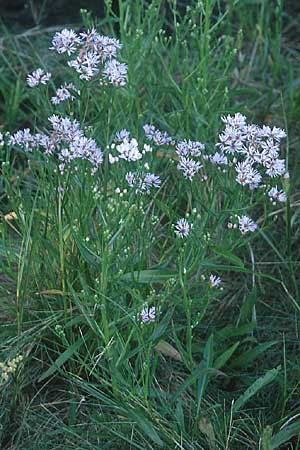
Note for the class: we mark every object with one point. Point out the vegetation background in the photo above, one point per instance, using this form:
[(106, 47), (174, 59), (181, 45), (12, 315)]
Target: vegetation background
[(237, 386)]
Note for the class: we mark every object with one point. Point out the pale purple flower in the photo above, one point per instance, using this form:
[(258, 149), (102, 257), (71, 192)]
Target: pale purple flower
[(275, 133), (24, 138), (231, 140), (142, 182), (189, 148), (276, 195), (214, 281), (157, 136), (189, 167), (38, 76), (238, 120), (64, 93), (246, 224), (122, 135), (65, 41), (182, 228), (275, 167), (218, 159), (86, 64), (148, 315), (115, 72)]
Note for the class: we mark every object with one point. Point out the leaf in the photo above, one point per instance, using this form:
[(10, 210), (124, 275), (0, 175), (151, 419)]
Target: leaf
[(168, 350), (228, 256), (193, 377), (285, 435), (64, 357), (162, 326), (87, 254), (149, 276), (229, 331), (255, 387), (206, 362), (247, 307), (247, 357), (222, 359), (146, 426)]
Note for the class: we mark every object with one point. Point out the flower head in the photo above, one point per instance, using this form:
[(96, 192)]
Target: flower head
[(65, 41), (148, 315), (189, 167), (182, 228), (276, 195), (38, 76), (214, 281), (246, 224)]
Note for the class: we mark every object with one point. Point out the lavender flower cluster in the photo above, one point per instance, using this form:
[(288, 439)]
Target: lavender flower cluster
[(65, 140), (254, 150), (92, 52)]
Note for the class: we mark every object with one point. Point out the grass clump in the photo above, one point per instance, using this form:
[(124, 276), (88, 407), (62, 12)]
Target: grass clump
[(149, 231)]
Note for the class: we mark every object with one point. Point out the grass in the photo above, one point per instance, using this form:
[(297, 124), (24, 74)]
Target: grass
[(219, 369)]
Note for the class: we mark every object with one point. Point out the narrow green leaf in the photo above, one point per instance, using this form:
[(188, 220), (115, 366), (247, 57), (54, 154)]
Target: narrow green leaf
[(285, 435), (255, 387), (149, 276), (247, 357), (62, 359), (222, 359)]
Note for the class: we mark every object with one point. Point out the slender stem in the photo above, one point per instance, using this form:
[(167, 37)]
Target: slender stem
[(61, 253)]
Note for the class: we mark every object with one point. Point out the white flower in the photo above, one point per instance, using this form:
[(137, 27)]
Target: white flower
[(148, 315), (238, 120), (182, 228), (38, 76), (1, 140), (214, 281), (129, 151), (65, 41), (246, 224), (276, 195), (115, 72), (189, 167)]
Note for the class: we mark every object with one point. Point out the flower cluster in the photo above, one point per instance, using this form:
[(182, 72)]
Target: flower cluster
[(142, 182), (66, 141), (9, 368), (158, 137), (255, 151), (38, 76), (65, 93), (94, 53)]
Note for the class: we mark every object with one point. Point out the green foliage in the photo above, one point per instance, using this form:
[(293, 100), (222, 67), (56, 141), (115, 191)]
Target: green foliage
[(217, 369)]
